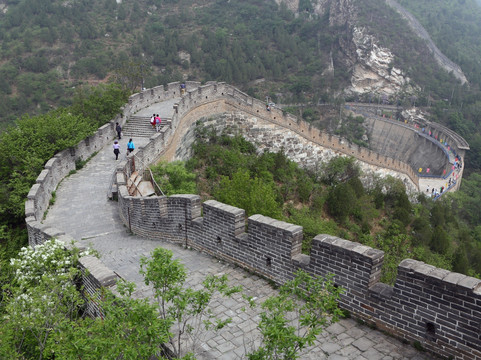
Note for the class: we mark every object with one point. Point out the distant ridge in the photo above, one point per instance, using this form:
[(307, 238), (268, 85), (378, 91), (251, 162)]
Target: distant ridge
[(416, 26)]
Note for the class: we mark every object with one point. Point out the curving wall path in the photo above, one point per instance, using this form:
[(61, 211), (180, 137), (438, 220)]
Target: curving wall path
[(438, 308)]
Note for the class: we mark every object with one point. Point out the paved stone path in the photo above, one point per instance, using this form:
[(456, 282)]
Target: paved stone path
[(83, 211)]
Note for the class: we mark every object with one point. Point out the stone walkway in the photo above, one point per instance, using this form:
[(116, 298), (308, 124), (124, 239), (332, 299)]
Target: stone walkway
[(83, 211)]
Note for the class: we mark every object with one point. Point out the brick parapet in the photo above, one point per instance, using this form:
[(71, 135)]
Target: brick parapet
[(96, 277), (423, 297)]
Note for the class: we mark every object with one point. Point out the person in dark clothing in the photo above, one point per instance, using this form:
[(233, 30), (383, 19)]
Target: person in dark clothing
[(118, 128)]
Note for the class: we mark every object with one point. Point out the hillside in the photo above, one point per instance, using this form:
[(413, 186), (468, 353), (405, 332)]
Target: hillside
[(49, 48)]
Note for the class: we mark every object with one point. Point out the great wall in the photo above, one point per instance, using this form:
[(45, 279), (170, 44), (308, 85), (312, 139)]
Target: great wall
[(435, 307)]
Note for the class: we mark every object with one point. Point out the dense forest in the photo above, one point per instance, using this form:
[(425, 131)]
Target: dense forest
[(50, 48)]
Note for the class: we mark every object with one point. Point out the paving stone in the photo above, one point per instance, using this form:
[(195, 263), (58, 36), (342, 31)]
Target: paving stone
[(372, 354), (225, 347), (230, 355), (212, 343), (356, 332), (240, 352), (227, 335), (336, 357), (330, 348), (363, 344), (349, 351), (336, 328), (344, 339), (360, 357)]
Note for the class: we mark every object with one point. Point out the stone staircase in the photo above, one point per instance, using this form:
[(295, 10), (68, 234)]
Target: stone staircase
[(139, 126)]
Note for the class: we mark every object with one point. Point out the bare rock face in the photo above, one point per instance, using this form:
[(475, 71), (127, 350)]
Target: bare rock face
[(341, 12), (292, 5), (372, 68), (371, 64), (414, 115)]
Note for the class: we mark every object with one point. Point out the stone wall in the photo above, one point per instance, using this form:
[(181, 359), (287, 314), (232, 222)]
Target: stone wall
[(250, 115), (96, 275), (436, 307)]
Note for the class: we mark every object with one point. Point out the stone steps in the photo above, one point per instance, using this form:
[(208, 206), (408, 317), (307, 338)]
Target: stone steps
[(139, 126)]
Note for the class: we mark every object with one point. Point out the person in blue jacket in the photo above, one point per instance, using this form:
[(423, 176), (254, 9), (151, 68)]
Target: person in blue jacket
[(130, 146)]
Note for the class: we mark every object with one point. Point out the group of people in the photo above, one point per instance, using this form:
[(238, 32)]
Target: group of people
[(436, 193), (155, 121), (116, 147)]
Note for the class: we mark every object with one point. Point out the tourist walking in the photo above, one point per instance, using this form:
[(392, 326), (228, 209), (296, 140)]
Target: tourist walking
[(116, 147), (118, 128), (157, 123), (152, 121), (130, 146)]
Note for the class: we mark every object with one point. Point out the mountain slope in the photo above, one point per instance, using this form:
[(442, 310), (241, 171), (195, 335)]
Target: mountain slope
[(293, 51)]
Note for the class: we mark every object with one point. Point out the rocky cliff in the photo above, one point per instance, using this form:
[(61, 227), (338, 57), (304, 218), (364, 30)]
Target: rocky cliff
[(370, 64)]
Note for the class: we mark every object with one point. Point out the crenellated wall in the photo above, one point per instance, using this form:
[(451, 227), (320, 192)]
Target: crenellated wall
[(438, 308)]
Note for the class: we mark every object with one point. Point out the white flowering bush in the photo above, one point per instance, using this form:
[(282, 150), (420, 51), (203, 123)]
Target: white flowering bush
[(48, 258), (43, 296)]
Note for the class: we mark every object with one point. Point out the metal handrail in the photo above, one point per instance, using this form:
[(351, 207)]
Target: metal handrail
[(155, 182)]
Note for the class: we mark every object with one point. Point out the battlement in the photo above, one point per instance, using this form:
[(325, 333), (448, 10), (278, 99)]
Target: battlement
[(436, 307)]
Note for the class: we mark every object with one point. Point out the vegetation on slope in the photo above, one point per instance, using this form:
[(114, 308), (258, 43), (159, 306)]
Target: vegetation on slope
[(49, 47), (30, 144), (455, 27)]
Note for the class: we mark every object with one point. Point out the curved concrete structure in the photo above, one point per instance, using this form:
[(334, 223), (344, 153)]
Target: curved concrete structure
[(429, 148)]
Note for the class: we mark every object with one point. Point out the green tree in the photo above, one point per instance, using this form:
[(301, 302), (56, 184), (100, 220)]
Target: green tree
[(440, 242), (27, 147), (340, 201), (42, 298), (99, 104), (339, 169), (460, 261), (130, 74), (253, 195), (312, 301), (128, 328), (174, 178), (186, 308)]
